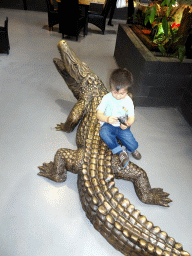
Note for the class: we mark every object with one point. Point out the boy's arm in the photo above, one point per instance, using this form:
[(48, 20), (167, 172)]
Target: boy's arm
[(106, 119), (131, 116), (130, 120)]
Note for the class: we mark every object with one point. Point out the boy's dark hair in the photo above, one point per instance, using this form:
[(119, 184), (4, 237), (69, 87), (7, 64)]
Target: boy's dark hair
[(121, 78)]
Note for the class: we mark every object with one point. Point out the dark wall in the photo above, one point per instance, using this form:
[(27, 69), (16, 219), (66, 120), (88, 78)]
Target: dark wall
[(12, 4), (32, 5), (37, 5), (186, 103)]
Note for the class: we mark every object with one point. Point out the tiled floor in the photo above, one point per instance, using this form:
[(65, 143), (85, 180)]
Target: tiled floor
[(39, 217)]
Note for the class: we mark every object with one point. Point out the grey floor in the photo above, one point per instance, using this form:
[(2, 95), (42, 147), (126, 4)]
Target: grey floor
[(39, 217)]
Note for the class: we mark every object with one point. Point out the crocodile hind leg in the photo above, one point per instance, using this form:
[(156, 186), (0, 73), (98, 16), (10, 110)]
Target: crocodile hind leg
[(141, 183), (64, 160)]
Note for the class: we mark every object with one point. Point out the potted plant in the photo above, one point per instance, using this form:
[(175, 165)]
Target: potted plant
[(166, 33)]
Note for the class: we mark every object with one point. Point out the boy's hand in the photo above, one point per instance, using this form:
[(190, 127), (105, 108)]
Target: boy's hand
[(123, 127), (111, 119), (128, 123)]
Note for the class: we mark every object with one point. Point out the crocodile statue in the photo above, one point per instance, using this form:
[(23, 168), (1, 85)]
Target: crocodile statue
[(110, 213)]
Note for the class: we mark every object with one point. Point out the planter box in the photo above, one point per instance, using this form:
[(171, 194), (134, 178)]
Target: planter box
[(186, 103), (159, 81)]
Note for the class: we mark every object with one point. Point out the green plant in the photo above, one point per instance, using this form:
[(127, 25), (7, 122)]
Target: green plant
[(161, 18)]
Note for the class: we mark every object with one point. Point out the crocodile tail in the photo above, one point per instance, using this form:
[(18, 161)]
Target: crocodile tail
[(114, 216), (111, 214)]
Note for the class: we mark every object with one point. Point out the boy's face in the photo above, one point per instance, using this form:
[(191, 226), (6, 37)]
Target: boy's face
[(120, 95)]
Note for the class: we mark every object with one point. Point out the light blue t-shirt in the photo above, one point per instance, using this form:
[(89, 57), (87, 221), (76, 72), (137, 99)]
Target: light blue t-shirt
[(118, 108)]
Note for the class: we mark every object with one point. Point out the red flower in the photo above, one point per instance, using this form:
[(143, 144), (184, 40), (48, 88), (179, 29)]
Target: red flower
[(175, 25)]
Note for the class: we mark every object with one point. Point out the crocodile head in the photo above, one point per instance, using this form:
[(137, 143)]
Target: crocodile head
[(74, 67)]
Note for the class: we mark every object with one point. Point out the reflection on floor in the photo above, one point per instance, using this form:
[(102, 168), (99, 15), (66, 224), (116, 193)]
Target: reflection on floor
[(39, 217)]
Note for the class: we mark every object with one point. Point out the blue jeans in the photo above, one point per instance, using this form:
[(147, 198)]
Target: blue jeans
[(110, 134)]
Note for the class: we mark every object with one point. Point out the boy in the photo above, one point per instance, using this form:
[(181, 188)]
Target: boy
[(116, 115)]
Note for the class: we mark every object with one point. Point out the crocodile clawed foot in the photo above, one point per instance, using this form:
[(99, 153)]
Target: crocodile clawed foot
[(63, 127), (60, 127), (159, 197), (49, 171)]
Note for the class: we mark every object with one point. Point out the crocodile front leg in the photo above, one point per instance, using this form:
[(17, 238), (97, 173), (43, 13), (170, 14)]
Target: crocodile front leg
[(140, 180), (64, 160), (74, 117)]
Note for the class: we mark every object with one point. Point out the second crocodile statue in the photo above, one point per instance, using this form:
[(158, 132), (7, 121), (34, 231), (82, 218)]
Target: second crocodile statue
[(110, 213)]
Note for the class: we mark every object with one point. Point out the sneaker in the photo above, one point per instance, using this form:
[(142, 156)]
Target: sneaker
[(124, 158), (136, 155)]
